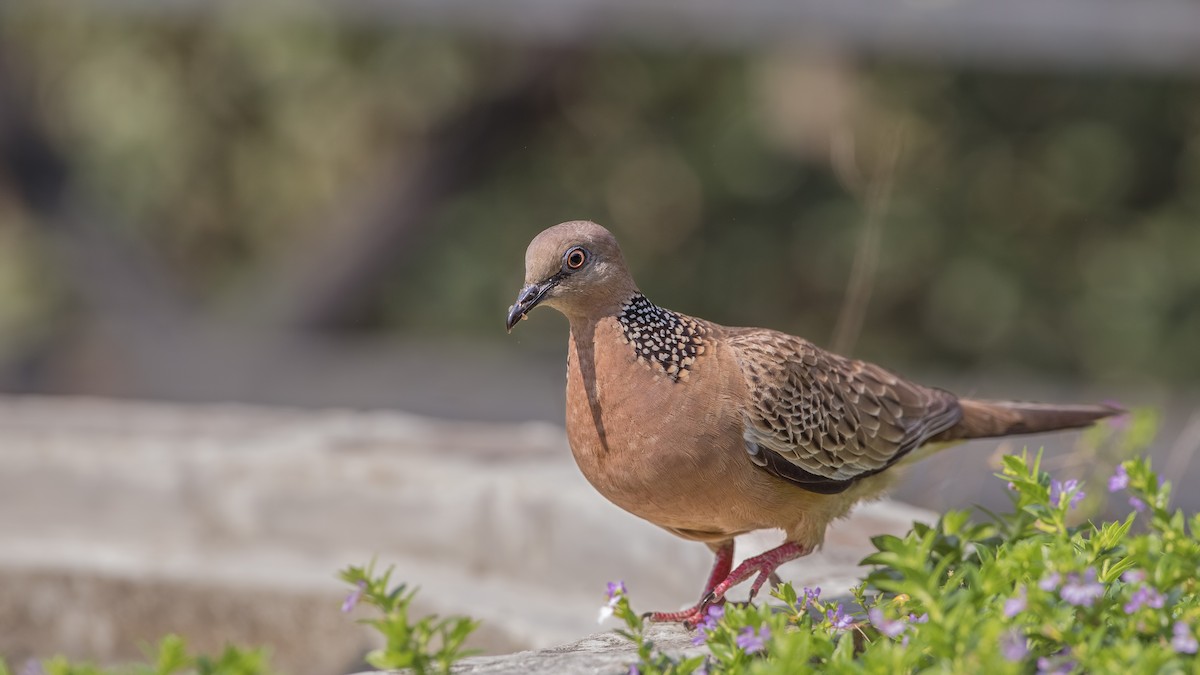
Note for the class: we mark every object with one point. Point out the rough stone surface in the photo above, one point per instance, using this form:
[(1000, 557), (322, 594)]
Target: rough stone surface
[(122, 521), (601, 653)]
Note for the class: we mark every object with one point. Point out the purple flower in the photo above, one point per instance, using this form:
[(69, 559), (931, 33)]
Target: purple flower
[(812, 594), (913, 618), (1050, 581), (1012, 645), (1183, 641), (837, 619), (714, 614), (711, 617), (1144, 595), (889, 627), (1015, 605), (634, 670), (1058, 664), (752, 642), (1076, 498), (355, 595), (1137, 504), (32, 667), (1133, 576), (1070, 488), (1082, 592), (1119, 480), (1154, 599), (615, 590)]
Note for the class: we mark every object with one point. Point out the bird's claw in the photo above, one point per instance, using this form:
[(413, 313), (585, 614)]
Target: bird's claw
[(691, 617)]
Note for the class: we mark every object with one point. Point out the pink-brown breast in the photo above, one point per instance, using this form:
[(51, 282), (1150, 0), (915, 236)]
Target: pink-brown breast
[(670, 449)]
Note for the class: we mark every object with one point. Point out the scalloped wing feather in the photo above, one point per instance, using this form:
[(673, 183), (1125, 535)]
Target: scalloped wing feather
[(823, 421)]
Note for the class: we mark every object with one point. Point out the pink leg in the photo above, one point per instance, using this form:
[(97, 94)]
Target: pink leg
[(763, 565), (721, 566)]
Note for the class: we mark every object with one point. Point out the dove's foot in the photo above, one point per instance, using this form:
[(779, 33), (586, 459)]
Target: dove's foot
[(762, 565)]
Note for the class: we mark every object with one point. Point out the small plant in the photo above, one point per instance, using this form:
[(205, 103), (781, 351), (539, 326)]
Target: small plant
[(169, 657), (1022, 592), (649, 660), (429, 645)]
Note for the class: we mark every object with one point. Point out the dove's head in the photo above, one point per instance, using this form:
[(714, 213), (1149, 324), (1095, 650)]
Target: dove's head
[(576, 268)]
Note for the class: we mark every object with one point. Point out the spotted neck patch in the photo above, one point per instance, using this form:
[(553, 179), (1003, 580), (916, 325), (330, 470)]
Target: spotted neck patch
[(668, 341)]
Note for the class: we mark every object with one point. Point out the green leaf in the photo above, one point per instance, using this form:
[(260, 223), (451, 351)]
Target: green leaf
[(888, 542), (786, 593)]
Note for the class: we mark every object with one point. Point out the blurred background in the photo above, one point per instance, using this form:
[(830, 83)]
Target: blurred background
[(327, 205)]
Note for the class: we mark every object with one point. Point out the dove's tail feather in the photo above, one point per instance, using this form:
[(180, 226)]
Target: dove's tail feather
[(984, 419)]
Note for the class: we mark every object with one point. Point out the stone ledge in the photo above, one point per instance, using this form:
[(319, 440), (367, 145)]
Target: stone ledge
[(259, 507), (599, 653)]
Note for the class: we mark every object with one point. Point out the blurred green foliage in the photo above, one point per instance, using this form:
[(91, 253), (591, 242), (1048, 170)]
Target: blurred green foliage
[(1037, 222), (170, 656)]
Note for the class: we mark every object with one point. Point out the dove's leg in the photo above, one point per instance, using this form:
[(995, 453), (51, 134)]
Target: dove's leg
[(763, 565), (722, 564)]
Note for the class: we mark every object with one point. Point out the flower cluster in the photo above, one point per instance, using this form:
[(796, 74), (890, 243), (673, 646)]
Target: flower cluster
[(812, 595), (1183, 640), (838, 619), (889, 627), (835, 615), (1016, 604), (1013, 645), (1050, 582), (1119, 480), (1144, 595), (1082, 591), (1059, 663), (753, 641)]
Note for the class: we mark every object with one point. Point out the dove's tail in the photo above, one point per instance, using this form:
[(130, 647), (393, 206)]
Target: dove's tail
[(983, 419)]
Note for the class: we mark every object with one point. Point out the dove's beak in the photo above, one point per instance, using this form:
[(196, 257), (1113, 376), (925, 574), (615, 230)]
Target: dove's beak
[(527, 299)]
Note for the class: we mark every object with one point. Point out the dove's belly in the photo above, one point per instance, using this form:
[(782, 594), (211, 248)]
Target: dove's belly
[(671, 451)]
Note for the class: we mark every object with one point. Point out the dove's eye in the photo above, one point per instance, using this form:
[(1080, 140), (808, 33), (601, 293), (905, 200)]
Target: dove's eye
[(575, 258)]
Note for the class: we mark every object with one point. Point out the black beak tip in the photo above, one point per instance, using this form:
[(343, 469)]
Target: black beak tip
[(515, 314), (527, 299)]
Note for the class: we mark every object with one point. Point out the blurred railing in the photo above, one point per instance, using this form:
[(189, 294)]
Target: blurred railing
[(1145, 35)]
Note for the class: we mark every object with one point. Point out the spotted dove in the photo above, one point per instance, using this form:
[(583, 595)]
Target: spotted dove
[(711, 432)]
